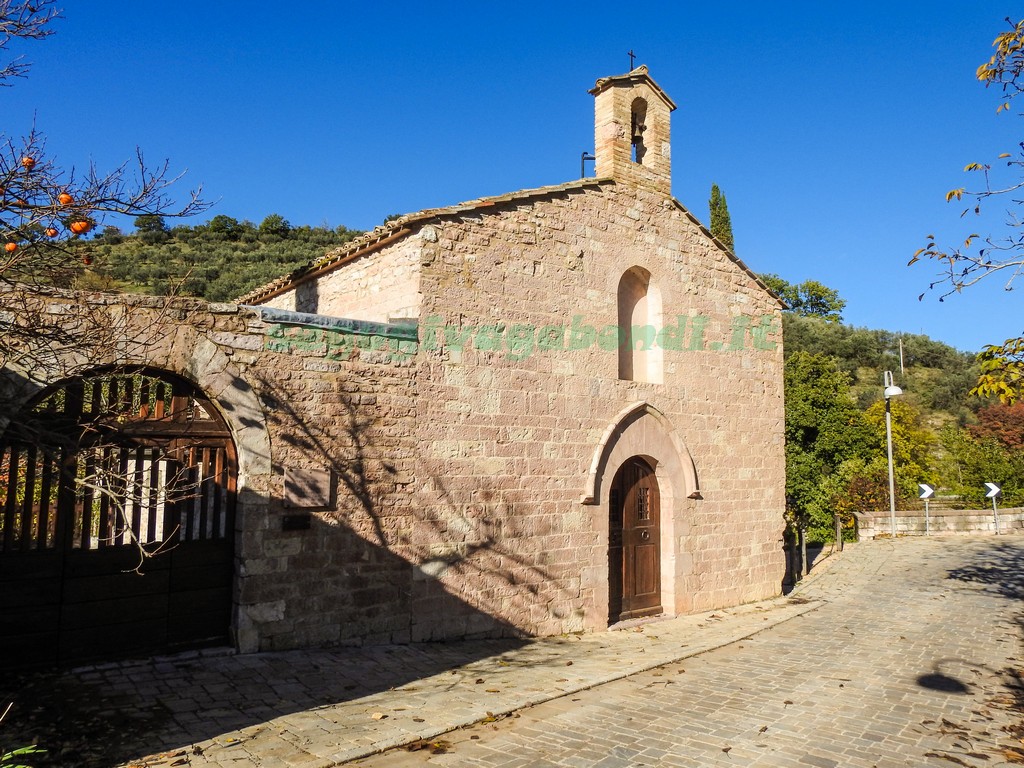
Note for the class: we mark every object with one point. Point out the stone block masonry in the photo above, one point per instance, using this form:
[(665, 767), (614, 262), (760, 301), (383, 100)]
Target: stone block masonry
[(474, 383), (871, 525)]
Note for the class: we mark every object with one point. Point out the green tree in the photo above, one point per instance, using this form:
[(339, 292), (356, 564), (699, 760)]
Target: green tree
[(969, 462), (1002, 365), (150, 222), (808, 299), (275, 224), (911, 445), (151, 228), (824, 429), (226, 227), (721, 222)]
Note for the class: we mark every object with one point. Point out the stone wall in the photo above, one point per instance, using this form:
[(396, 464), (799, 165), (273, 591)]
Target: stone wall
[(871, 525), (509, 420), (307, 397), (467, 475), (379, 286)]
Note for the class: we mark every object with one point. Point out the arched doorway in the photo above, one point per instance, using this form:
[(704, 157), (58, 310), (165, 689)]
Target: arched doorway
[(117, 503), (634, 542)]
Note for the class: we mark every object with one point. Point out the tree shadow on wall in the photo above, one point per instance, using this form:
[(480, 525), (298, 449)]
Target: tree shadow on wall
[(363, 564), (483, 542)]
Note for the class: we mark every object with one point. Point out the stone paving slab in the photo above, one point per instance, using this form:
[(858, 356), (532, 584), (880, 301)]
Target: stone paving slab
[(326, 707), (912, 658), (864, 618), (480, 680), (506, 682)]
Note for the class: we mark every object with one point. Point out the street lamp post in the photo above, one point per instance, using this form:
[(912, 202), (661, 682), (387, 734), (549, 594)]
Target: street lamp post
[(891, 390)]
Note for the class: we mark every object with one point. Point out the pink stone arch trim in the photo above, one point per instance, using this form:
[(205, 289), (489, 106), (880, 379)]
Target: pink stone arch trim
[(658, 438)]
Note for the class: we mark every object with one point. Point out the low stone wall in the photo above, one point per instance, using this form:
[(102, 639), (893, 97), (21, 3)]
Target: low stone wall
[(871, 525)]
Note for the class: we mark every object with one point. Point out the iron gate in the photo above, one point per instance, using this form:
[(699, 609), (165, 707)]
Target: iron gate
[(117, 496)]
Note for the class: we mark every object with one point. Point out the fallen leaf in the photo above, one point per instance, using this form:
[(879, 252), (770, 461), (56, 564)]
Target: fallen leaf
[(786, 703), (479, 680), (568, 663), (493, 690), (439, 747), (762, 729), (378, 716)]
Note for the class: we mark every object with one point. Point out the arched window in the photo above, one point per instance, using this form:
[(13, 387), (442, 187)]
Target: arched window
[(639, 301), (637, 121)]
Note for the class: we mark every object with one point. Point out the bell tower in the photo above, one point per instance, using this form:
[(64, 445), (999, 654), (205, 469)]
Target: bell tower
[(631, 130)]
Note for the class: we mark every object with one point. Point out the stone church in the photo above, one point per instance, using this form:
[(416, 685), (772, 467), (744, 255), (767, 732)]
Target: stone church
[(547, 411)]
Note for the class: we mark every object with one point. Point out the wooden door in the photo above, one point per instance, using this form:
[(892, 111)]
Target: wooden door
[(634, 552)]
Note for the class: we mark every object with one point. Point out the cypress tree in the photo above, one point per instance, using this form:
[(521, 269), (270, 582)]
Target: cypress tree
[(721, 224)]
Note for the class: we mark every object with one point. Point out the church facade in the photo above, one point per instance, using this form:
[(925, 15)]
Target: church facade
[(598, 413), (548, 411)]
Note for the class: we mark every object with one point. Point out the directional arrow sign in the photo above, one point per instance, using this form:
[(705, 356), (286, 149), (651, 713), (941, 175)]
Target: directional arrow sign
[(926, 491), (993, 490)]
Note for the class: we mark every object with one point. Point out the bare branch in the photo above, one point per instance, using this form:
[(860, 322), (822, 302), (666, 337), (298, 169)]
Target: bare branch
[(23, 20)]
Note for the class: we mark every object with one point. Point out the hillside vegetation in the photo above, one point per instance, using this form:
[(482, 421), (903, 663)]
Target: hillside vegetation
[(935, 377), (835, 422), (219, 260)]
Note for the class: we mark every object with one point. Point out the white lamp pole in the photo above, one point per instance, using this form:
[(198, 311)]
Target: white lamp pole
[(891, 390)]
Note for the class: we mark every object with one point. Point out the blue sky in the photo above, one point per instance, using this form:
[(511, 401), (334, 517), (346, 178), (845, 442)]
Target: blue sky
[(834, 130)]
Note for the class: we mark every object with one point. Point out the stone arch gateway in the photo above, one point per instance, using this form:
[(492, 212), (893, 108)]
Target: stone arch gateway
[(117, 491)]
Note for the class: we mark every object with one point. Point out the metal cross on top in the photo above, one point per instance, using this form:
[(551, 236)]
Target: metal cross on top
[(632, 57)]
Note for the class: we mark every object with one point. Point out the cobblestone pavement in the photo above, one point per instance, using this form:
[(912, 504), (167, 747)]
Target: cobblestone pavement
[(893, 654), (912, 660)]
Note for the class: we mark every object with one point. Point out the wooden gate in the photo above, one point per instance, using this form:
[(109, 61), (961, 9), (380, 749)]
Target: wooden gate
[(117, 500), (634, 551)]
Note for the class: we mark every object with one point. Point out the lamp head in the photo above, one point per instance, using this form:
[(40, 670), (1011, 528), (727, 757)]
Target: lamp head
[(892, 391)]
